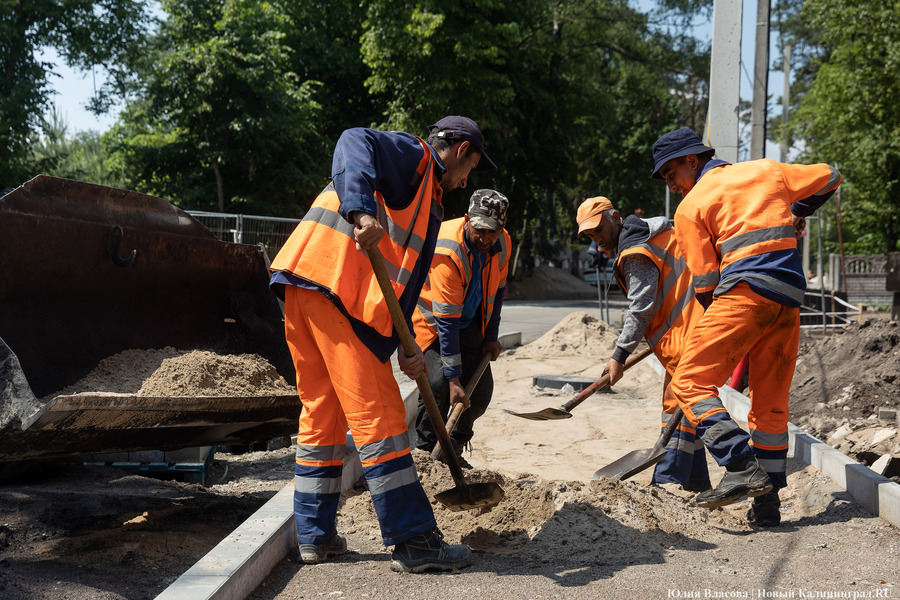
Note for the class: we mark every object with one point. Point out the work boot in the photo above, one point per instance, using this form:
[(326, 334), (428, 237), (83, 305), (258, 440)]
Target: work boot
[(744, 477), (312, 554), (429, 551), (765, 510)]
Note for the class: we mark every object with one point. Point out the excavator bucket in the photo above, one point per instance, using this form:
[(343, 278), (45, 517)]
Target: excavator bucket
[(88, 271)]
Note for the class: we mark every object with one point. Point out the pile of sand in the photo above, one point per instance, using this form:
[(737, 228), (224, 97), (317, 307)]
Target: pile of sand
[(170, 373), (602, 522), (578, 334), (848, 374)]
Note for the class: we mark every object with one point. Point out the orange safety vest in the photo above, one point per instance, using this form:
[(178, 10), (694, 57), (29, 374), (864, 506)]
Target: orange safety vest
[(448, 280), (743, 210), (322, 253), (676, 312)]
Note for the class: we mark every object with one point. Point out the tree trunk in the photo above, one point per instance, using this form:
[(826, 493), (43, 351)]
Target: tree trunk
[(521, 242), (219, 186)]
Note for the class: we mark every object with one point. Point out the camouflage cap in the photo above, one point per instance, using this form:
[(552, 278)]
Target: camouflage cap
[(487, 210)]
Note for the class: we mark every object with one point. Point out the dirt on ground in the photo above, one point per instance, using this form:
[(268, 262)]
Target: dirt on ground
[(841, 381), (97, 532), (84, 532)]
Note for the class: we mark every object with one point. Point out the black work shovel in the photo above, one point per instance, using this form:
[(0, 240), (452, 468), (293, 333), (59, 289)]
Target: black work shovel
[(637, 460), (563, 412)]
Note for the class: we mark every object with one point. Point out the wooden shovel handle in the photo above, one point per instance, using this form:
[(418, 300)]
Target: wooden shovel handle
[(409, 346), (459, 407), (604, 381)]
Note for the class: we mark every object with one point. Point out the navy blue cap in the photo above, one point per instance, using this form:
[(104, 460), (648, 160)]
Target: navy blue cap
[(463, 129), (675, 144)]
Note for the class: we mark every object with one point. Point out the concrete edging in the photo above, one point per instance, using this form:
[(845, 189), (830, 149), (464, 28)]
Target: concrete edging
[(876, 493), (240, 562)]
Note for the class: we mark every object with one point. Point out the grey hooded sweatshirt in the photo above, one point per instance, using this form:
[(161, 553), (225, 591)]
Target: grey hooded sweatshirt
[(642, 280)]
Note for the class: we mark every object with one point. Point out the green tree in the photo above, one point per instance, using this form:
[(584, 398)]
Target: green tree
[(85, 33), (224, 120), (851, 116), (570, 95), (82, 156)]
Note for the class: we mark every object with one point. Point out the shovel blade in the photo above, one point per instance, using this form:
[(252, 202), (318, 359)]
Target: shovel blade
[(472, 497), (631, 464), (548, 414)]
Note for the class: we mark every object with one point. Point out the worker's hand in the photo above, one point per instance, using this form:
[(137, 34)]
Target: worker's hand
[(368, 231), (457, 392), (615, 370), (494, 347), (799, 224), (412, 366)]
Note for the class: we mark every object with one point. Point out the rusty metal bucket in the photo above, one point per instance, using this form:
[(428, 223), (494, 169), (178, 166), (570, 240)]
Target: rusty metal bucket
[(89, 271)]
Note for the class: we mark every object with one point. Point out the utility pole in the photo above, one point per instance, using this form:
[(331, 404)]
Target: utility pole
[(725, 80), (760, 83), (786, 99)]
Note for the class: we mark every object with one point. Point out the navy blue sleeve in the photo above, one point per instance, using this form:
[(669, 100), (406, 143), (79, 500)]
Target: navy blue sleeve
[(807, 206), (366, 161)]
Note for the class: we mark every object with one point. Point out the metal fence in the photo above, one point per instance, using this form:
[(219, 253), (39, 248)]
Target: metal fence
[(271, 232), (815, 313)]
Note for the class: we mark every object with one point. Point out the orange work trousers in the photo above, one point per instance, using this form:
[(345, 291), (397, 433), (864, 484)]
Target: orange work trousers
[(741, 322), (341, 383)]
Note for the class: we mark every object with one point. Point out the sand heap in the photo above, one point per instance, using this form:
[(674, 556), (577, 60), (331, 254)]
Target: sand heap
[(170, 373), (578, 334), (848, 374), (603, 522)]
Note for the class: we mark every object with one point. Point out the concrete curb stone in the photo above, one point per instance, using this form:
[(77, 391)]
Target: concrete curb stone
[(874, 492)]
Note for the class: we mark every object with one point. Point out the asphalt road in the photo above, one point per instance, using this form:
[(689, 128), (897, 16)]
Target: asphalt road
[(535, 318)]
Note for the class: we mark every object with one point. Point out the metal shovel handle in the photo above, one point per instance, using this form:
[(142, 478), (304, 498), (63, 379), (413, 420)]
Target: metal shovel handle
[(604, 381), (459, 407), (409, 346)]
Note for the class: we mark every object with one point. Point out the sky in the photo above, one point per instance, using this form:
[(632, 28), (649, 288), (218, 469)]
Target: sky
[(74, 89)]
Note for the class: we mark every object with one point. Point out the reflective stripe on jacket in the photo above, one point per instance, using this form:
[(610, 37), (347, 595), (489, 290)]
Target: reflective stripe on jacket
[(739, 211), (321, 254), (675, 312), (441, 302)]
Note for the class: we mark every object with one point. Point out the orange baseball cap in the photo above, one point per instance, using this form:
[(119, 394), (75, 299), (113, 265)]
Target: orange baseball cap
[(590, 213)]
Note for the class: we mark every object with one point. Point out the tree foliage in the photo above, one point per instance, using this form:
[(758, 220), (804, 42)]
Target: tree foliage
[(570, 95), (225, 119), (850, 115), (85, 33)]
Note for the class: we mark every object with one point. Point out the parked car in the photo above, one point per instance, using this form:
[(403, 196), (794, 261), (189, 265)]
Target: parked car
[(606, 277)]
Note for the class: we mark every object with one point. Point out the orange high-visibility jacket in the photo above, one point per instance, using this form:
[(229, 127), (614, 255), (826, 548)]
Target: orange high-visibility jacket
[(676, 313), (742, 211), (448, 280), (322, 254)]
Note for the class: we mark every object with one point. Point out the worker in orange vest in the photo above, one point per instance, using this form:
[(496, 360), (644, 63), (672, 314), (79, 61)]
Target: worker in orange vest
[(652, 273), (386, 192), (458, 316), (736, 227)]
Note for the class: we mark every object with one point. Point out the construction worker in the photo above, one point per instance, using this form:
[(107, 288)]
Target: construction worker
[(736, 227), (386, 192), (458, 315), (652, 273)]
